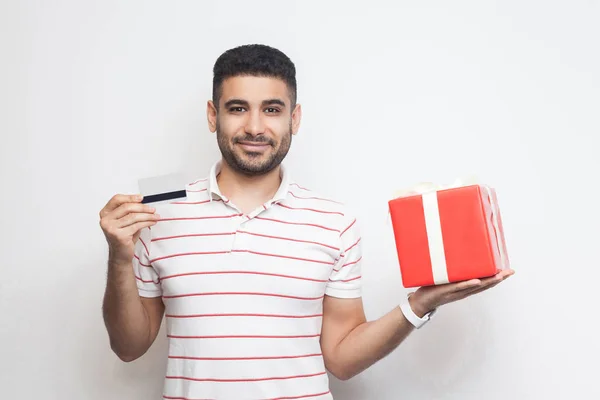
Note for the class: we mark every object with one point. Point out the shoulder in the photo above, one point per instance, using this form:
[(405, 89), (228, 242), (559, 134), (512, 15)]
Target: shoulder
[(196, 193), (300, 196), (197, 186)]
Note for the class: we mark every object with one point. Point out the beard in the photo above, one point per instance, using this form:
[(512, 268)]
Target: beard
[(253, 163)]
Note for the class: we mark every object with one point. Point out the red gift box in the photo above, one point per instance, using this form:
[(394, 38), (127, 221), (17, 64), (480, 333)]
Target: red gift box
[(448, 235)]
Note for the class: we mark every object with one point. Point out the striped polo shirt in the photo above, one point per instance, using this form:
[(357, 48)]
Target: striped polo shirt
[(243, 293)]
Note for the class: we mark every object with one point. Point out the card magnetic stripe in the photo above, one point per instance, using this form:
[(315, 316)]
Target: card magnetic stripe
[(164, 196)]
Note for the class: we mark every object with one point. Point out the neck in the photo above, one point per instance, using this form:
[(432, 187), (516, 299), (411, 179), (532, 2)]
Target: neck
[(246, 191)]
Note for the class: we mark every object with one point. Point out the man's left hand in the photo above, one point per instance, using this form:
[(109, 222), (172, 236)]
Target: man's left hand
[(428, 298)]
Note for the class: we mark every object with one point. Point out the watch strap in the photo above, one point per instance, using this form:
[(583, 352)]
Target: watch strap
[(410, 315)]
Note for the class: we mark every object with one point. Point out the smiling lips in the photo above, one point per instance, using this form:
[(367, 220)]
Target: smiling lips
[(254, 146)]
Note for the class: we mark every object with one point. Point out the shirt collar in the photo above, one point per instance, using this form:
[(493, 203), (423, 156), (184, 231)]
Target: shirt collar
[(213, 187), (281, 194)]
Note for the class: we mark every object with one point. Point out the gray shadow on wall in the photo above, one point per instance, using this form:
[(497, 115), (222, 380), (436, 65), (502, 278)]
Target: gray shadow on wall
[(431, 362), (105, 374)]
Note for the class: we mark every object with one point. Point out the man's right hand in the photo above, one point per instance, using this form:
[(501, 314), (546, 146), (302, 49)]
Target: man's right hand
[(121, 220)]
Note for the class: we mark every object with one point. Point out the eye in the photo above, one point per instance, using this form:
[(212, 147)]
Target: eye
[(271, 110), (237, 109)]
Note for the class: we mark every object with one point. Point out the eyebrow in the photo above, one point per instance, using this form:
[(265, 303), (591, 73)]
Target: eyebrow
[(272, 102), (244, 103)]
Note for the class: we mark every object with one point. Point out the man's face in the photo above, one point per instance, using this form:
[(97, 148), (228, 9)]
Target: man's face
[(254, 123)]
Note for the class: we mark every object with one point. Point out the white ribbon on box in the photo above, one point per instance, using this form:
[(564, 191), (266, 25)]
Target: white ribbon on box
[(428, 192)]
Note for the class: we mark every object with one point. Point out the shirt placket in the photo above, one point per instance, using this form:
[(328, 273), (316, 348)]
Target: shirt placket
[(239, 242), (237, 222)]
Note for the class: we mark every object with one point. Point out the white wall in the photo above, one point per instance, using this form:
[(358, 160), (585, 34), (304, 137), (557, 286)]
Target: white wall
[(95, 95)]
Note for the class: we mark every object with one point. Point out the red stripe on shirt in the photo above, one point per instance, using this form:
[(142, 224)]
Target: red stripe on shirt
[(188, 254), (246, 379), (192, 235), (140, 262), (301, 397), (313, 198), (150, 281), (348, 249), (350, 263), (198, 191), (146, 247), (290, 239), (296, 223), (243, 315), (281, 256), (242, 272), (245, 336), (243, 358), (241, 294), (275, 398), (345, 280), (199, 180), (310, 209), (193, 202), (349, 226), (298, 186), (198, 218)]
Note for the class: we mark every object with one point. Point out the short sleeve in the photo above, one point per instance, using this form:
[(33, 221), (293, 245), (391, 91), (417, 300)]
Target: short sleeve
[(146, 277), (345, 280)]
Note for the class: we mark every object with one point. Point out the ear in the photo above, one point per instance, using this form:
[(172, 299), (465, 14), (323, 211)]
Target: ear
[(296, 118), (211, 115)]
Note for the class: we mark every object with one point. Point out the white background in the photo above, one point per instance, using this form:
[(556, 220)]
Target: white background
[(95, 95)]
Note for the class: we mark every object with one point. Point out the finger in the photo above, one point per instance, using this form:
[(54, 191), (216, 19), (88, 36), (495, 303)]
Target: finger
[(119, 199), (508, 272), (133, 218), (138, 226), (460, 293), (476, 290), (491, 282), (500, 276), (483, 284), (129, 208), (466, 285)]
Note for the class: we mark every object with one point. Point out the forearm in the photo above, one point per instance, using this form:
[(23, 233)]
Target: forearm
[(125, 317), (370, 342)]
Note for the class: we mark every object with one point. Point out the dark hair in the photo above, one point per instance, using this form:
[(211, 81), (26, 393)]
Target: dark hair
[(254, 60)]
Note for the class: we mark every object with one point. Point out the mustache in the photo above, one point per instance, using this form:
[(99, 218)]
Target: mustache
[(254, 139)]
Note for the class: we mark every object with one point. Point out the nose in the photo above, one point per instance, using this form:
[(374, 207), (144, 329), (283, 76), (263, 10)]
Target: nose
[(255, 125)]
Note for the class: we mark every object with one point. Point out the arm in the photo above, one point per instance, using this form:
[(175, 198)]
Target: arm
[(350, 344), (132, 321)]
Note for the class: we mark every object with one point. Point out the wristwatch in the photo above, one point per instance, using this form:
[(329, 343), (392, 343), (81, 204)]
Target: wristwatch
[(411, 316)]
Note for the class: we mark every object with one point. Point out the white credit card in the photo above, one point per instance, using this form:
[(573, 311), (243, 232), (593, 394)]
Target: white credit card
[(163, 189)]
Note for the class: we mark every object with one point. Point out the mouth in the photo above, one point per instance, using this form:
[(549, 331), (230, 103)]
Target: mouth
[(253, 146)]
